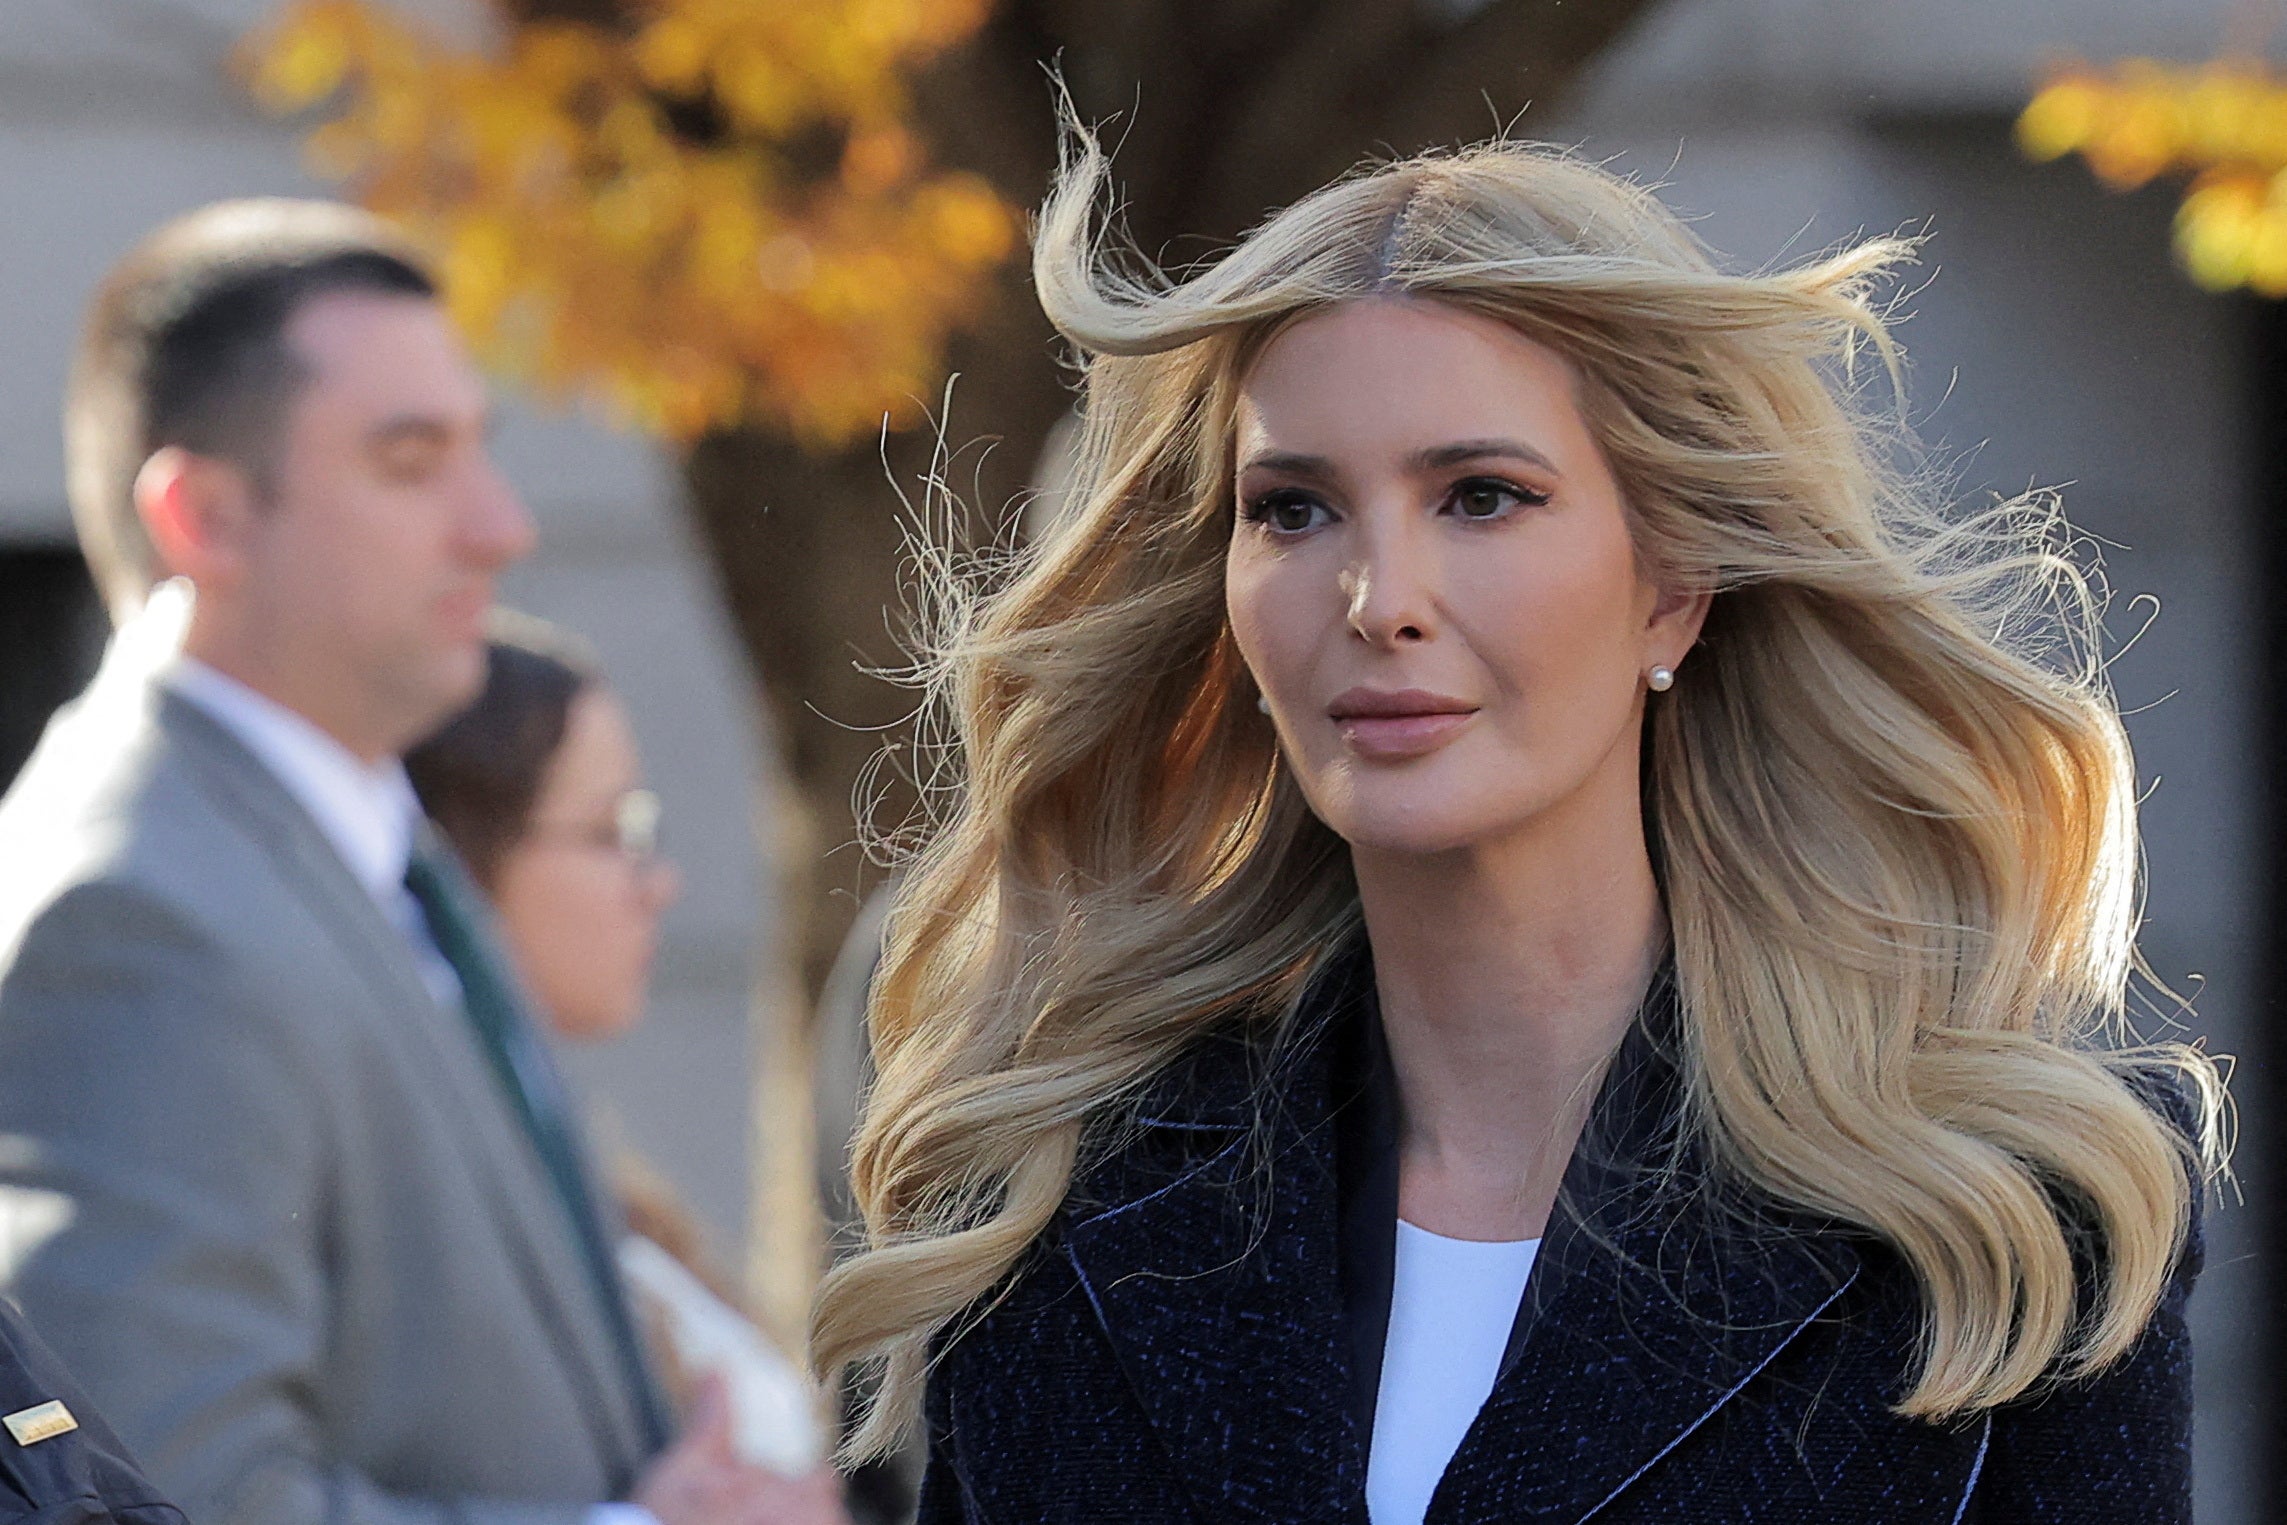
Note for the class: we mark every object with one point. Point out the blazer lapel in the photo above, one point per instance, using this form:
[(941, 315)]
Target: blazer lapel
[(1213, 1273), (1649, 1308), (1638, 1346), (433, 1043)]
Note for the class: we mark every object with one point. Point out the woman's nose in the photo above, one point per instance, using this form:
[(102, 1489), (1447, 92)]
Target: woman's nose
[(1387, 591)]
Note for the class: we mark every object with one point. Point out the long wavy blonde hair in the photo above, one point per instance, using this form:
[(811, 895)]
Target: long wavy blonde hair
[(1892, 801)]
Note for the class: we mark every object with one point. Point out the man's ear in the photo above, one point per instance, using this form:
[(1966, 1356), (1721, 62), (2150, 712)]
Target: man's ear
[(198, 511)]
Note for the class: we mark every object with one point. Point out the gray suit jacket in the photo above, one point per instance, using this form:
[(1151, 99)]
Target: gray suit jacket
[(257, 1189)]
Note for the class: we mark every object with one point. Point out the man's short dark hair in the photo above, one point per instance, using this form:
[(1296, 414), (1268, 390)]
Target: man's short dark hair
[(185, 345)]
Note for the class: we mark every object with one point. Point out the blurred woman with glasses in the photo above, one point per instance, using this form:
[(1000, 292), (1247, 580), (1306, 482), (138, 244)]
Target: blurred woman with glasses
[(539, 788)]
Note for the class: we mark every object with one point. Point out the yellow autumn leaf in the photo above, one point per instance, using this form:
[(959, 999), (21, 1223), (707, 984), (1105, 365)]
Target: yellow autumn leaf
[(968, 222), (759, 92), (2218, 108), (305, 59), (725, 247), (479, 267), (559, 58), (2267, 253), (2215, 231), (877, 157), (2061, 118), (671, 54), (2264, 135)]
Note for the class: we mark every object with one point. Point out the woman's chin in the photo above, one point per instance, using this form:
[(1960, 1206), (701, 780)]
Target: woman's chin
[(1427, 831), (1449, 804), (597, 1021)]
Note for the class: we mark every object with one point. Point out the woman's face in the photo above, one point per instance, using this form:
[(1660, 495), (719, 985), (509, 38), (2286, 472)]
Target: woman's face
[(1431, 578), (579, 901)]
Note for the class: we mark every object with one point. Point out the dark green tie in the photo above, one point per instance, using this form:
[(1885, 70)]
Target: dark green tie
[(535, 1093)]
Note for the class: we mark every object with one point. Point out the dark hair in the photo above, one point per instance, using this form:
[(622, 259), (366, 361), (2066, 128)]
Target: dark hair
[(185, 345), (479, 777)]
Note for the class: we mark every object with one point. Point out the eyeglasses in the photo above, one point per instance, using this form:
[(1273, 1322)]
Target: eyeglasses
[(632, 832)]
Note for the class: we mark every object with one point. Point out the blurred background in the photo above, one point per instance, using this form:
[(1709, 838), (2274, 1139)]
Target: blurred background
[(708, 244)]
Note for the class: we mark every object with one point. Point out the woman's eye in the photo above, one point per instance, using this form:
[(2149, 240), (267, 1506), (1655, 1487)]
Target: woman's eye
[(1288, 513), (1486, 498)]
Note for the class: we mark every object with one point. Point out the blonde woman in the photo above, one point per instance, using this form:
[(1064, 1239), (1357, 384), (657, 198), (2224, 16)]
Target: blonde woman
[(1528, 932)]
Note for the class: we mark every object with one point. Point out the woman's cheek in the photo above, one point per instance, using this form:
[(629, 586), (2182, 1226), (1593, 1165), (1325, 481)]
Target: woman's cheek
[(1267, 644)]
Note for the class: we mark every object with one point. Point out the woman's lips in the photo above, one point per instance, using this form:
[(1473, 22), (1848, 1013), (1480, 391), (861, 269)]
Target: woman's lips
[(1390, 727)]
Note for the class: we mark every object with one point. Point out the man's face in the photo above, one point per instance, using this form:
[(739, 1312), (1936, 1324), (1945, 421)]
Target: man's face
[(370, 571)]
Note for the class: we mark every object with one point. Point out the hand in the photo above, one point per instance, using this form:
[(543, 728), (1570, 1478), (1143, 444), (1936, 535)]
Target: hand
[(700, 1480)]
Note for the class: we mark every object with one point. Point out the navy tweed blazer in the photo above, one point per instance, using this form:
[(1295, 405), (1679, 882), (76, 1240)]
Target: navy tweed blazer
[(1178, 1345)]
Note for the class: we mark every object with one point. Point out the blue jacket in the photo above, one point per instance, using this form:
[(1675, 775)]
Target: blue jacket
[(71, 1470), (1183, 1343)]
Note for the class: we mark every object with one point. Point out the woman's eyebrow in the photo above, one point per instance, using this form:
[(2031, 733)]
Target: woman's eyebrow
[(1318, 468), (1437, 457), (1314, 468)]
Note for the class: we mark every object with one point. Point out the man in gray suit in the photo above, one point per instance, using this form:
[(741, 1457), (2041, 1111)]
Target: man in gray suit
[(285, 1176)]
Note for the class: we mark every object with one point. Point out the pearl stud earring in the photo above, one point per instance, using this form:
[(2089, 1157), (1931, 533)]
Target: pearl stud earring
[(1263, 703), (1662, 679)]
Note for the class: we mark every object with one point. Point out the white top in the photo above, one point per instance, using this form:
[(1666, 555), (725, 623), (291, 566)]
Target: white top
[(1452, 1304), (368, 812)]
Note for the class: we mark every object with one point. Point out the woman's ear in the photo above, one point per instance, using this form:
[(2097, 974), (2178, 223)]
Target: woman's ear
[(1677, 616)]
